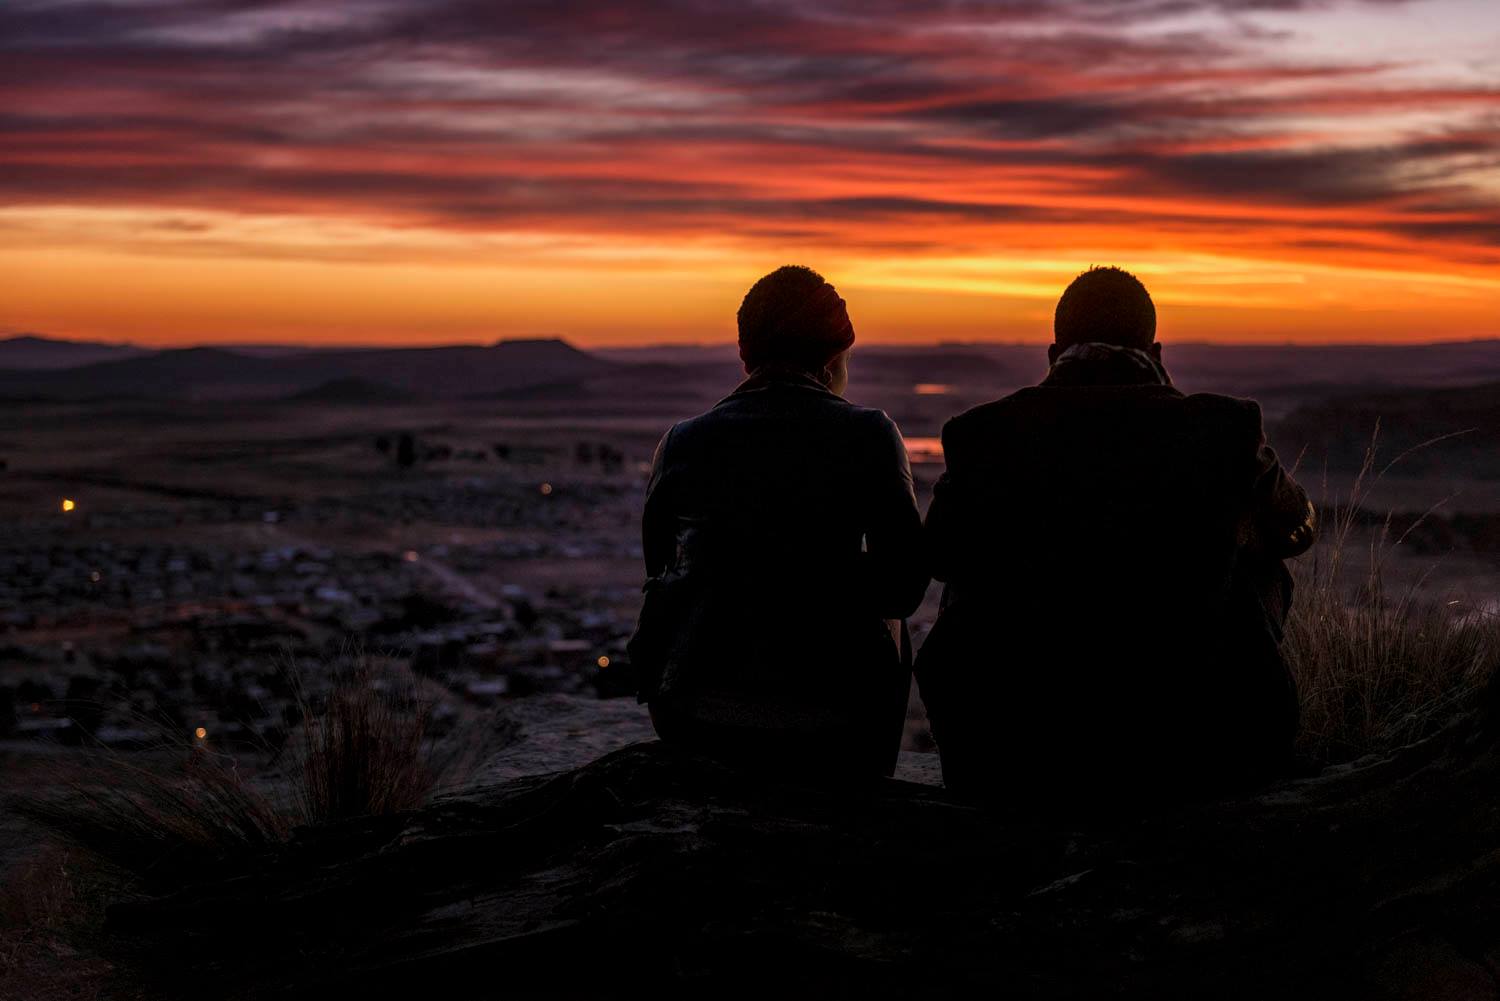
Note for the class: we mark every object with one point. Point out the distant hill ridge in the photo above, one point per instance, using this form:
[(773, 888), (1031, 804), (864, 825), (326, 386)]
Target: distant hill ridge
[(1434, 431), (681, 380), (212, 372), (34, 352)]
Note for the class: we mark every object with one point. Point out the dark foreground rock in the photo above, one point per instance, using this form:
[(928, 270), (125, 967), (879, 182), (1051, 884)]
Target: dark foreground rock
[(654, 872)]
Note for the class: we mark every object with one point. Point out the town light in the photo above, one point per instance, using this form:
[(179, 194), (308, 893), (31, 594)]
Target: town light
[(603, 661), (200, 733), (67, 504)]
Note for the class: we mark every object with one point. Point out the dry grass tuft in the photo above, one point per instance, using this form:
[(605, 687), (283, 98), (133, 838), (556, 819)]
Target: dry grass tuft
[(361, 751), (160, 822), (1377, 669), (175, 815)]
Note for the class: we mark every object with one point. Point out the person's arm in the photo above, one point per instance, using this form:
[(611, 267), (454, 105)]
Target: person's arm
[(943, 517), (897, 575), (658, 523), (1283, 520)]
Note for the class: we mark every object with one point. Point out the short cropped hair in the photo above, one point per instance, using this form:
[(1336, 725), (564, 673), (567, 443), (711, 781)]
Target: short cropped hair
[(1105, 304)]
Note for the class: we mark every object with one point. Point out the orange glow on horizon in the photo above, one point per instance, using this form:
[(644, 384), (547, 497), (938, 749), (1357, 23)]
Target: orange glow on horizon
[(1206, 289)]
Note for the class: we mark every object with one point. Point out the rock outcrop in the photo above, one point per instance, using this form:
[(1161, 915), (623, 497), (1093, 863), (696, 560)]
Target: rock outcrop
[(653, 872)]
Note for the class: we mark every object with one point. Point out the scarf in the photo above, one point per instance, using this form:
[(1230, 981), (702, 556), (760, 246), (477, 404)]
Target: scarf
[(782, 372), (1094, 363)]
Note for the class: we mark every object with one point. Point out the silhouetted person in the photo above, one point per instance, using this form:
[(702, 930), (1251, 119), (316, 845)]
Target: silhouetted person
[(781, 532), (1115, 595)]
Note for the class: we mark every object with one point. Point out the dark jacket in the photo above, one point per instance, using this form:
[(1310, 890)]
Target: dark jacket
[(780, 532), (1114, 586)]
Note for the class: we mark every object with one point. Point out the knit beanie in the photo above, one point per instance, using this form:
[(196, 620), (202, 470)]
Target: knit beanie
[(793, 316)]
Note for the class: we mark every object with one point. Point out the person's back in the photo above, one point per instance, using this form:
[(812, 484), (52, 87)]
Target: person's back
[(1110, 546), (780, 533)]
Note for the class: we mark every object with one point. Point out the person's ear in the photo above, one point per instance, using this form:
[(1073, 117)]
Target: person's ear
[(1155, 350), (1053, 350), (836, 372)]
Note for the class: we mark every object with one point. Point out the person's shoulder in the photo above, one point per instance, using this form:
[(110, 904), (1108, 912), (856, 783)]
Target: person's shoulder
[(676, 428), (1231, 410), (869, 417), (870, 423), (1233, 421), (979, 420), (688, 429)]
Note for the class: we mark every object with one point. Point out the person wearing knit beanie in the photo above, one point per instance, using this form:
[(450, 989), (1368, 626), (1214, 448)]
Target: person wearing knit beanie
[(794, 318), (783, 546)]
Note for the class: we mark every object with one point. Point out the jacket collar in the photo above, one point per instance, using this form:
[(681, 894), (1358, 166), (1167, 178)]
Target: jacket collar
[(1096, 364), (769, 377)]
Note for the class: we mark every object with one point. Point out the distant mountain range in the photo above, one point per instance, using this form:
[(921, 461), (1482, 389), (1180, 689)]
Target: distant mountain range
[(1325, 398), (218, 373)]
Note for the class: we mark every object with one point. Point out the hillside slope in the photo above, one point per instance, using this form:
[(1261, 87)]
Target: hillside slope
[(1341, 428), (652, 871)]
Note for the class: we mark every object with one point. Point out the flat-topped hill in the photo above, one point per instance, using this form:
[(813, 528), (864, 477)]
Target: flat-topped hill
[(209, 372)]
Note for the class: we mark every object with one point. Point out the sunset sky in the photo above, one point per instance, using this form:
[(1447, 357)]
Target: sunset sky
[(195, 171)]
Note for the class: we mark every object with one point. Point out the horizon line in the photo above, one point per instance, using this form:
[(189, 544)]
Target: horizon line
[(230, 346)]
